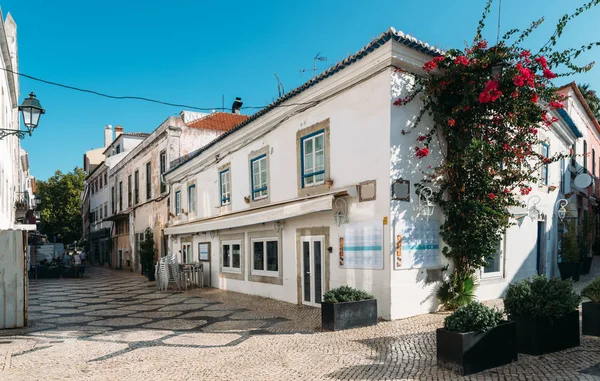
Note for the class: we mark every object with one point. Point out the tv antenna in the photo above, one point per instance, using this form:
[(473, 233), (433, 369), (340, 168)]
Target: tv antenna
[(280, 88), (318, 57)]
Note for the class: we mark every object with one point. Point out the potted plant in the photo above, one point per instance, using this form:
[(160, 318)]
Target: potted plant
[(546, 314), (476, 338), (585, 230), (147, 252), (346, 307), (570, 254), (591, 310)]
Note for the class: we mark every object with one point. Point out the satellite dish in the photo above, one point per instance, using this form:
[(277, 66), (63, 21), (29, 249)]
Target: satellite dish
[(583, 181)]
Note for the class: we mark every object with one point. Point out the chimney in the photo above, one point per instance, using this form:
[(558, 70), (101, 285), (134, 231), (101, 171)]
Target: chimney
[(108, 136), (237, 105), (118, 131)]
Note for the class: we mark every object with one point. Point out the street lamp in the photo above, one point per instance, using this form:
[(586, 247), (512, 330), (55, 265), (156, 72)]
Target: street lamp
[(31, 110)]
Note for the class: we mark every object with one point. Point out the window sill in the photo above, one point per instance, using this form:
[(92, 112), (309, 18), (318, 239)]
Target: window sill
[(272, 274), (231, 270)]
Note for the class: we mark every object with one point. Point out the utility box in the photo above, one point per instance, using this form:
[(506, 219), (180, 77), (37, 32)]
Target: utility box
[(13, 279)]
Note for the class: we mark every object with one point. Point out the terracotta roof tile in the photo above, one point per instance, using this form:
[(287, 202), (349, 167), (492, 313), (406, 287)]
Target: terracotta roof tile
[(219, 121)]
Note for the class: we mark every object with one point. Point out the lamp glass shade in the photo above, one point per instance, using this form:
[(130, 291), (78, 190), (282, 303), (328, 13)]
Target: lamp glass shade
[(31, 110)]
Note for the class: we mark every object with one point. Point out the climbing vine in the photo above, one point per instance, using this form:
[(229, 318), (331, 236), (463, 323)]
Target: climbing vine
[(488, 105)]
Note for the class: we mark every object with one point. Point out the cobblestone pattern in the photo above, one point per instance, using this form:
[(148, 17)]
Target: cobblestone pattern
[(112, 325)]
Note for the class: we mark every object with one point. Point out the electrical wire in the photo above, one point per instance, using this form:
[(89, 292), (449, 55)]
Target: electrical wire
[(127, 97)]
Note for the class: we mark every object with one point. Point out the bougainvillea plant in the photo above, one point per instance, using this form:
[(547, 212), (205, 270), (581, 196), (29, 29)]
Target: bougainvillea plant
[(488, 105)]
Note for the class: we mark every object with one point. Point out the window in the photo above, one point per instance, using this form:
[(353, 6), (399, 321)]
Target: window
[(112, 200), (105, 178), (100, 214), (545, 154), (593, 162), (177, 203), (313, 159), (136, 180), (494, 267), (100, 182), (265, 256), (106, 210), (584, 154), (225, 187), (163, 169), (192, 198), (259, 177), (148, 181), (231, 260), (129, 191), (118, 149), (92, 187), (120, 195)]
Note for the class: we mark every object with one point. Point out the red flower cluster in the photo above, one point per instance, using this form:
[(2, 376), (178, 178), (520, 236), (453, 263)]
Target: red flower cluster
[(534, 98), (482, 44), (525, 191), (461, 60), (491, 196), (542, 61), (549, 74), (525, 77), (525, 54), (548, 121), (451, 122), (421, 138), (490, 93), (555, 105), (422, 152), (402, 101), (431, 65)]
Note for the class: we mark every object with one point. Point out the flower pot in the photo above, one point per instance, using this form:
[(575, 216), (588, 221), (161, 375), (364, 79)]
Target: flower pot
[(590, 312), (339, 316), (540, 335), (570, 270), (472, 352), (587, 265)]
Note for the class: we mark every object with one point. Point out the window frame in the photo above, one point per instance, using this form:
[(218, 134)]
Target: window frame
[(264, 271), (177, 203), (500, 273), (229, 268), (545, 169), (112, 200), (148, 180), (129, 194), (593, 162), (190, 187), (136, 187), (259, 159), (225, 201), (312, 136), (162, 169), (120, 195)]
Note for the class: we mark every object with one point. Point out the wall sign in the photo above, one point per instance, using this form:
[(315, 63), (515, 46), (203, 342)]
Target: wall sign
[(204, 251), (417, 244), (362, 246)]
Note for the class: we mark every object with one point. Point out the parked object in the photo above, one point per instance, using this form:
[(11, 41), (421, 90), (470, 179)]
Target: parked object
[(591, 310), (345, 307), (475, 338), (546, 313)]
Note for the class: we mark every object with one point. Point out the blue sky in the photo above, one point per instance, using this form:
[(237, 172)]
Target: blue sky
[(193, 52)]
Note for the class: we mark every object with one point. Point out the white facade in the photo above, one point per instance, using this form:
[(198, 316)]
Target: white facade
[(10, 165)]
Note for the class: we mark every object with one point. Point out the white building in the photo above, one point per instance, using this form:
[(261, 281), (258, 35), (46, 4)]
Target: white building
[(307, 194)]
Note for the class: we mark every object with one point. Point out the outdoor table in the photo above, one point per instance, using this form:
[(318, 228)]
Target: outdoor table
[(192, 272)]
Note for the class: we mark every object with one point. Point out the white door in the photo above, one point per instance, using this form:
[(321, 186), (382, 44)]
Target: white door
[(312, 248)]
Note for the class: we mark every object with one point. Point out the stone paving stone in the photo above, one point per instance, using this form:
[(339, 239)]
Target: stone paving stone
[(156, 314), (182, 307), (232, 325), (204, 339), (112, 312), (121, 322), (62, 304), (139, 307), (205, 314), (134, 335), (175, 324)]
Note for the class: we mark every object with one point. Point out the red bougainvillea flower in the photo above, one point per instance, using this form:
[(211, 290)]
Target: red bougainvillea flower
[(451, 122), (483, 44), (422, 152), (466, 108), (461, 60), (429, 66), (534, 98), (549, 74), (484, 97), (542, 61), (525, 77), (421, 138), (438, 59), (490, 92), (491, 196), (556, 105), (525, 191), (525, 54), (506, 191)]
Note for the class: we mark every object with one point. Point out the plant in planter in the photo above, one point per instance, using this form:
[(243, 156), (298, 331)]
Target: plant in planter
[(570, 253), (455, 292), (147, 253), (346, 307), (585, 230), (546, 314), (591, 310), (476, 338)]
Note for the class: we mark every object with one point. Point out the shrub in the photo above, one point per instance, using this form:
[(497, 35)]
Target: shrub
[(473, 317), (346, 294), (456, 291), (541, 297), (570, 245), (592, 291)]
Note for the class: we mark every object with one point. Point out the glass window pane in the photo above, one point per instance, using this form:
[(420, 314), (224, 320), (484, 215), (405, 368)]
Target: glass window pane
[(272, 256), (317, 266), (320, 178), (259, 256), (320, 161), (306, 269), (256, 179), (255, 166), (309, 180), (494, 263), (319, 142), (235, 257), (308, 164), (263, 178), (226, 253), (308, 146)]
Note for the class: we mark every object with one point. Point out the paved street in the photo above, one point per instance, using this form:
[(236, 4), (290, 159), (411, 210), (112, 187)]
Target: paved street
[(113, 325)]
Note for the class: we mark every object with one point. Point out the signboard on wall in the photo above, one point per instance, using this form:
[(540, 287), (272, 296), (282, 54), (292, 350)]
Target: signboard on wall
[(417, 244), (362, 246), (204, 251)]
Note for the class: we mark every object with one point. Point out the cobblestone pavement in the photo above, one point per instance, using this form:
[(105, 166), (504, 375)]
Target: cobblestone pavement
[(112, 325)]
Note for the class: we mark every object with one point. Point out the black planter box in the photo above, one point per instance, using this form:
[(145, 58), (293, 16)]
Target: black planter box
[(590, 319), (587, 265), (473, 352), (540, 335), (570, 270), (339, 316)]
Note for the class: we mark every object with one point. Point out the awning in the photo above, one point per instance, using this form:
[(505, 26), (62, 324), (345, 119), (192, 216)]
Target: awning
[(255, 216)]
